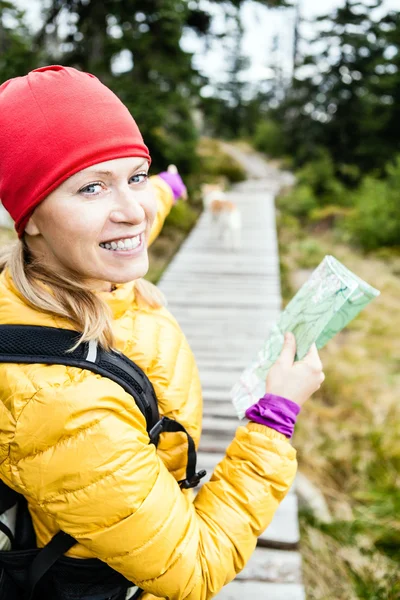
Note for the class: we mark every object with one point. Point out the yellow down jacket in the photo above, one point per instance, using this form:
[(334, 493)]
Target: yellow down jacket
[(75, 444)]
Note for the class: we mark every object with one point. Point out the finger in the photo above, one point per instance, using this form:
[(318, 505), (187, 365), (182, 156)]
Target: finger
[(289, 349), (312, 357)]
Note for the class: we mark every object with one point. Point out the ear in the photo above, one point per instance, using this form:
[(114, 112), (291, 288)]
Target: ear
[(31, 227)]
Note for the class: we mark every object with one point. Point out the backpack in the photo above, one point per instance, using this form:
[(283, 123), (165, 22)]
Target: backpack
[(30, 573)]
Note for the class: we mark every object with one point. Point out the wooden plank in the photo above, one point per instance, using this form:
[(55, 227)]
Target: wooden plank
[(219, 409), (220, 350), (239, 329), (266, 282), (215, 269), (211, 444), (228, 284), (227, 263), (223, 354), (213, 279), (207, 310), (221, 427), (222, 379), (283, 531), (236, 365), (209, 460), (266, 262), (249, 590), (273, 566), (220, 299), (212, 337), (212, 395)]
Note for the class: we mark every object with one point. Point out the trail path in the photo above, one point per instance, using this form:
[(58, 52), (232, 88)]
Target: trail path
[(225, 302)]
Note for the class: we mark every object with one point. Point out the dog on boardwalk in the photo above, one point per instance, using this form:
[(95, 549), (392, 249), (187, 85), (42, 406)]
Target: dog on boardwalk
[(225, 216)]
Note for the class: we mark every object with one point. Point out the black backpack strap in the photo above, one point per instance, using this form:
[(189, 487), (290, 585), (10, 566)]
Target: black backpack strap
[(45, 559), (165, 424), (8, 497), (20, 344)]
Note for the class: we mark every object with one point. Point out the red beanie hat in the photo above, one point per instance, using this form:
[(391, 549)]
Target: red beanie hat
[(54, 122)]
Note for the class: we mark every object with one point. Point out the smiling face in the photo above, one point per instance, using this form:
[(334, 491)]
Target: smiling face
[(97, 223)]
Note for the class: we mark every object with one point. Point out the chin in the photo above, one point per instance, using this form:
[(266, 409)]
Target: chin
[(128, 274)]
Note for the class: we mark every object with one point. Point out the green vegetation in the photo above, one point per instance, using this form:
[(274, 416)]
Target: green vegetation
[(367, 215), (348, 438), (268, 138), (217, 165), (376, 219)]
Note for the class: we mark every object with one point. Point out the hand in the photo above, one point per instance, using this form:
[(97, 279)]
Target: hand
[(174, 180), (296, 381)]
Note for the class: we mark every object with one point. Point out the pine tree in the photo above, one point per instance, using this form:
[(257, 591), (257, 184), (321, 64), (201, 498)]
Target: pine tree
[(342, 105), (16, 56)]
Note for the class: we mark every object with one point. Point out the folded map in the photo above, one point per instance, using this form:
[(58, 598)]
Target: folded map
[(323, 306)]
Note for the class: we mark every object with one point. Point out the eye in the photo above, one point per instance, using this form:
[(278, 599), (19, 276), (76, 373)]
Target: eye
[(92, 189), (139, 178)]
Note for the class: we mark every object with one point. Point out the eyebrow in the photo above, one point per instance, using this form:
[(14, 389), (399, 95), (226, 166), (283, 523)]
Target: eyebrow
[(110, 173)]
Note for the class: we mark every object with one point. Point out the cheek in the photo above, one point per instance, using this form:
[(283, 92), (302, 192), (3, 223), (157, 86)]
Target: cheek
[(149, 204), (73, 226)]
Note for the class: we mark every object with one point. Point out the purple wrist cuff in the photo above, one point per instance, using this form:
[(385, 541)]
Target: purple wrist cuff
[(275, 412), (175, 182)]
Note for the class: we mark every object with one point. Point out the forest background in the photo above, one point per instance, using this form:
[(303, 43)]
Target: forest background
[(335, 121)]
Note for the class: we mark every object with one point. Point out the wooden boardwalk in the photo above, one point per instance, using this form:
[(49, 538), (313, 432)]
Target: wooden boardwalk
[(225, 302)]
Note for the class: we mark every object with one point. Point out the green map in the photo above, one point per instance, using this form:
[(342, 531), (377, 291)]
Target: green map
[(323, 306)]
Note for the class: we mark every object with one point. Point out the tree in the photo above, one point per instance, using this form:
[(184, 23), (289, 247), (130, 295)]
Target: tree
[(346, 102), (16, 56)]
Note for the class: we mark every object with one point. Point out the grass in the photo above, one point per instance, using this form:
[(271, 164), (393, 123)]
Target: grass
[(348, 436)]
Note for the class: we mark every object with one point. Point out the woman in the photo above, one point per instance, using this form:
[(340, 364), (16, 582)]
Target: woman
[(74, 177)]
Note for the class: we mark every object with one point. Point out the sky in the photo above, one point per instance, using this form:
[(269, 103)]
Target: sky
[(261, 26)]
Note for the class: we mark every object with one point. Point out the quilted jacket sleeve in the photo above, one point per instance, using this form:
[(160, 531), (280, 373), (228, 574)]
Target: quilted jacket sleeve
[(89, 466), (165, 200)]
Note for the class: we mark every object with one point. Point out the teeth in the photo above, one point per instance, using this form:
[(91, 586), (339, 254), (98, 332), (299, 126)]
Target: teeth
[(127, 244)]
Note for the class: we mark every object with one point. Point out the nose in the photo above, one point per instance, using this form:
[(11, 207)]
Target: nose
[(128, 208)]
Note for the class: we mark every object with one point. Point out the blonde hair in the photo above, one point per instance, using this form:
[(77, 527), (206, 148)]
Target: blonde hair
[(63, 295)]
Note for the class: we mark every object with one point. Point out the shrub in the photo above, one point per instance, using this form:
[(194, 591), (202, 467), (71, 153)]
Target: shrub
[(320, 176), (216, 164), (182, 217), (298, 202), (228, 167), (376, 220), (268, 138), (310, 253), (328, 216)]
